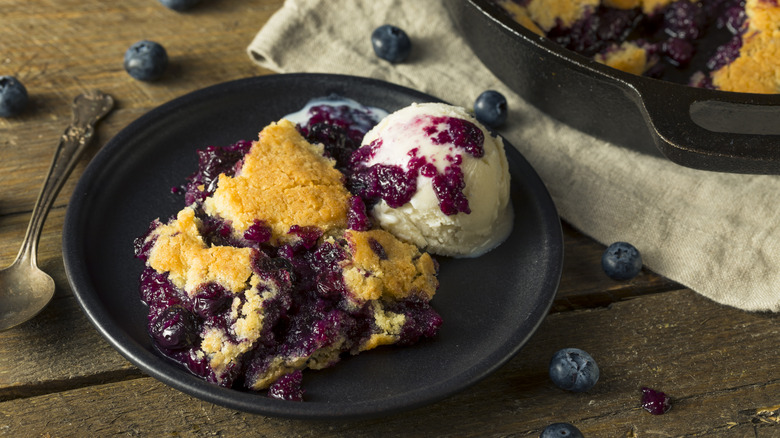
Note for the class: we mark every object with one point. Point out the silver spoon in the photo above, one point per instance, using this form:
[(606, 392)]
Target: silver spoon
[(24, 289)]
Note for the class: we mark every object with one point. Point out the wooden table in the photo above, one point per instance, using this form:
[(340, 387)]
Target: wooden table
[(59, 377)]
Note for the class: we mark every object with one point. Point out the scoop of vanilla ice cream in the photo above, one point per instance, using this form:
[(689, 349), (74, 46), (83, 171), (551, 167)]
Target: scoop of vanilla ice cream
[(461, 204)]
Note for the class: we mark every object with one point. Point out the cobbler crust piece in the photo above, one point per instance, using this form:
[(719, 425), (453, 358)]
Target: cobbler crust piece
[(235, 310), (284, 180)]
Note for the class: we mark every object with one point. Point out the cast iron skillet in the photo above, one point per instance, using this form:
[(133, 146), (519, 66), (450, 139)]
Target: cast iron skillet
[(698, 128)]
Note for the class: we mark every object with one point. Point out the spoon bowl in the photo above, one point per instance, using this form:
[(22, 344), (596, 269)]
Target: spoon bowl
[(24, 289)]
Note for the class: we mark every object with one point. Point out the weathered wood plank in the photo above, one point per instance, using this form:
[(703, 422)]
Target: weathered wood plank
[(655, 340), (60, 48)]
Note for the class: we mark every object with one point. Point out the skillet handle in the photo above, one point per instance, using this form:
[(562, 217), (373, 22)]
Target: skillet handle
[(713, 130)]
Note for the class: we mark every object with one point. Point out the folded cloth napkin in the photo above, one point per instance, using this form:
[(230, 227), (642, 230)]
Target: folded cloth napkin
[(718, 234)]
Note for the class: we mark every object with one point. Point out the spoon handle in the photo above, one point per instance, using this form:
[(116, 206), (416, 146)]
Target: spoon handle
[(87, 108)]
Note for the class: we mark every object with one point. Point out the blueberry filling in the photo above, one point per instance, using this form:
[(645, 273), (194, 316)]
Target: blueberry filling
[(174, 328), (357, 217)]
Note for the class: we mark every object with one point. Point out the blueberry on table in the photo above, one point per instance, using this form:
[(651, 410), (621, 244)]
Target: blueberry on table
[(561, 430), (13, 96), (179, 5), (391, 43), (490, 108), (621, 261), (146, 60), (573, 370)]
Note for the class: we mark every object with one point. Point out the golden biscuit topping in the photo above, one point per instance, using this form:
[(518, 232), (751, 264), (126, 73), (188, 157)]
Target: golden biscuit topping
[(180, 250), (399, 272), (284, 181), (627, 57)]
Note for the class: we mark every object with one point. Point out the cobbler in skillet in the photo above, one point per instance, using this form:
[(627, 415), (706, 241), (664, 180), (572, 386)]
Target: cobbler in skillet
[(731, 45)]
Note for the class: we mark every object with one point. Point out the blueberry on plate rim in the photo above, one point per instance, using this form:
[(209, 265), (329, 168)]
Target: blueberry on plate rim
[(561, 430), (621, 261), (146, 60), (574, 370), (179, 5), (391, 43), (490, 108), (13, 96)]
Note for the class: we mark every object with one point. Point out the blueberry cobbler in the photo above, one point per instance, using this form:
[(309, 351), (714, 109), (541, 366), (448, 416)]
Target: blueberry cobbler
[(731, 45), (274, 266)]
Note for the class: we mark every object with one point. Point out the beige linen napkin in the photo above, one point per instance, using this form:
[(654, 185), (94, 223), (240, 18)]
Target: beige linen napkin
[(718, 234)]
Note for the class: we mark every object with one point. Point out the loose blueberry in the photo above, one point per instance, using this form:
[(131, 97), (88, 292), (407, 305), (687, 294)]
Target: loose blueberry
[(391, 43), (490, 108), (146, 60), (561, 430), (573, 370), (179, 5), (621, 261), (13, 96), (655, 402)]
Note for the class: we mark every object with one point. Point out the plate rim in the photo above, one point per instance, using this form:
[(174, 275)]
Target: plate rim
[(166, 371)]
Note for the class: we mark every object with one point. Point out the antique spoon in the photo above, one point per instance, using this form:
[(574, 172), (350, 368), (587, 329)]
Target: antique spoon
[(24, 289)]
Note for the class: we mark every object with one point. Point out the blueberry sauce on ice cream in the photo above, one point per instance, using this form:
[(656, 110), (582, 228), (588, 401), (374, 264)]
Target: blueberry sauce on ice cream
[(435, 177)]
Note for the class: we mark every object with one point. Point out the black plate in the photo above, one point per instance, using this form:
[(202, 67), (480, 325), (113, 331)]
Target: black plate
[(490, 305)]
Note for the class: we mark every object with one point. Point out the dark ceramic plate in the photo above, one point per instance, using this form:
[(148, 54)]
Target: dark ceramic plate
[(491, 305)]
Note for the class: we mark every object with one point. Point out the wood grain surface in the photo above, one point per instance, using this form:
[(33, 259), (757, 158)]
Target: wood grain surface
[(60, 378)]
